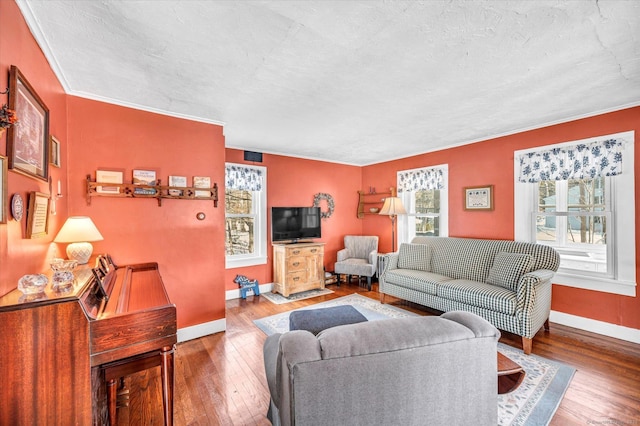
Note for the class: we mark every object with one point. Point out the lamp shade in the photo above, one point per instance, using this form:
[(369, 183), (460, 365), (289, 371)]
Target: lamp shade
[(392, 207), (79, 231)]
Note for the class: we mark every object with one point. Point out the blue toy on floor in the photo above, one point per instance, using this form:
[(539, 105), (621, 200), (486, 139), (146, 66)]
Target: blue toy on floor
[(246, 284)]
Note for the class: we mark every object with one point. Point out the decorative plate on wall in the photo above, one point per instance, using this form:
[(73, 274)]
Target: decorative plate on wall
[(17, 207)]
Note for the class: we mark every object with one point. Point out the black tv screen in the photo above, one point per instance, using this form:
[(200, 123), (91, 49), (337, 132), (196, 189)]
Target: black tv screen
[(295, 223)]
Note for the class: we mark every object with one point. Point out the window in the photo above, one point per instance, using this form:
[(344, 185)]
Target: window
[(245, 215), (573, 216), (575, 197), (425, 198)]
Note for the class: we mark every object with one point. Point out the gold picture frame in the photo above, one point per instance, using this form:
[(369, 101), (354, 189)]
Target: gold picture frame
[(3, 190), (38, 215), (54, 151), (27, 140), (478, 197)]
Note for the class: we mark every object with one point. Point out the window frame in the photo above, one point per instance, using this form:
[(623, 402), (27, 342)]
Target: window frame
[(259, 257), (562, 214), (443, 215), (623, 246)]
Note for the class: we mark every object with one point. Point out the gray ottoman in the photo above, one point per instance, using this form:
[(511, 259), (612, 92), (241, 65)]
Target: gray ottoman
[(316, 320)]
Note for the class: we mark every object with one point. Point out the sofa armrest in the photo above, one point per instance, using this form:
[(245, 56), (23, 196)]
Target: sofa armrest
[(529, 281), (294, 347), (528, 286), (478, 325), (391, 261), (373, 257), (534, 300), (270, 353), (343, 255)]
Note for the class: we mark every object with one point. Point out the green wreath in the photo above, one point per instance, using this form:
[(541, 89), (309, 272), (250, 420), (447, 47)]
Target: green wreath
[(330, 204)]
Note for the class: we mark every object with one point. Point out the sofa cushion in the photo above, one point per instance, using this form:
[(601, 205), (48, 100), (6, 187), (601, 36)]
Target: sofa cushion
[(482, 295), (355, 266), (508, 268), (426, 282), (415, 256), (461, 258)]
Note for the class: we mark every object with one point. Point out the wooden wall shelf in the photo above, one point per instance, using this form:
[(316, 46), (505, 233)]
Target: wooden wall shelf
[(159, 192), (367, 200)]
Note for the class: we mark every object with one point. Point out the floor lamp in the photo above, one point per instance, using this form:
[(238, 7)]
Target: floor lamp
[(393, 207)]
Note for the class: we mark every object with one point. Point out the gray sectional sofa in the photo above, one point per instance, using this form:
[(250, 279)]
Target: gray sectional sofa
[(506, 282), (403, 371)]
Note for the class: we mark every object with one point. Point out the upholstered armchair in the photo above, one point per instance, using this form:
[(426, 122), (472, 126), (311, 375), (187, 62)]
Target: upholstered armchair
[(359, 257), (400, 371)]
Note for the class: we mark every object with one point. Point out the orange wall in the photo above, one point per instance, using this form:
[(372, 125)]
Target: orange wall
[(491, 162), (294, 182), (18, 255), (190, 253)]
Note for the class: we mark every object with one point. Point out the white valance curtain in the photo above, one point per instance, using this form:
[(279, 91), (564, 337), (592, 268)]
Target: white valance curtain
[(421, 179), (243, 178), (581, 161)]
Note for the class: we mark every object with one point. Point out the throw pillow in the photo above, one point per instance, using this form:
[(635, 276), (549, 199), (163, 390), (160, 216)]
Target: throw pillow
[(415, 256), (508, 268)]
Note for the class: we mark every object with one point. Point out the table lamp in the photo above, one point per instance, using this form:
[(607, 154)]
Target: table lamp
[(79, 231), (393, 207)]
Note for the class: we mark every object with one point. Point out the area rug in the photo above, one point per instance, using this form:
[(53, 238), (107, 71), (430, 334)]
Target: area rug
[(533, 403), (279, 299)]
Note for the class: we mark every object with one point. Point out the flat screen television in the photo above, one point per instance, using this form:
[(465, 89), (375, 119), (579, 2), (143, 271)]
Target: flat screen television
[(295, 223)]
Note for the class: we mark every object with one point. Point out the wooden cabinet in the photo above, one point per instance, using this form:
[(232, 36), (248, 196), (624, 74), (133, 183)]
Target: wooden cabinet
[(297, 267), (372, 200)]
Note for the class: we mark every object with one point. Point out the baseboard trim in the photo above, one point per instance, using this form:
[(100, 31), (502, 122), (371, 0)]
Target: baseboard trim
[(595, 326), (235, 293), (201, 330)]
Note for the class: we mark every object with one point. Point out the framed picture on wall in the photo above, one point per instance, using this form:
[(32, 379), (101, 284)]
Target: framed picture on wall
[(478, 197), (3, 189), (179, 181), (108, 176), (28, 141), (37, 215), (202, 182), (54, 154), (144, 178)]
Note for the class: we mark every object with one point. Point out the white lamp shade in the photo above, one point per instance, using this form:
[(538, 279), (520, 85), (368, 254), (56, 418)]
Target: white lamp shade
[(79, 231), (392, 207)]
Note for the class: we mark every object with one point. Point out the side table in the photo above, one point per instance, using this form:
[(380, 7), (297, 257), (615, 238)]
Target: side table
[(510, 374)]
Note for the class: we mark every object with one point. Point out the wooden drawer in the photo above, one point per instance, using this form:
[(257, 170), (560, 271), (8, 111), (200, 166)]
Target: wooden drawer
[(303, 251), (296, 277), (296, 263)]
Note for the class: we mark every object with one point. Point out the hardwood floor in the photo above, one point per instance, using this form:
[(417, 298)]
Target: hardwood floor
[(220, 378)]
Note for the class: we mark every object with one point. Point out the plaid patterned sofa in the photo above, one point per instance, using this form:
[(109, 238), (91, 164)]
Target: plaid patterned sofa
[(508, 283)]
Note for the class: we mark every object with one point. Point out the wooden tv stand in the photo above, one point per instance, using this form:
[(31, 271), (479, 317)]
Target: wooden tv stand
[(297, 267)]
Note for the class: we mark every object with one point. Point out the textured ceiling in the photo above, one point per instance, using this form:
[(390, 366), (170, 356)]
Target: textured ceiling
[(356, 82)]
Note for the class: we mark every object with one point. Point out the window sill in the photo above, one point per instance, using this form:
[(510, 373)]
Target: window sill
[(606, 285), (241, 263)]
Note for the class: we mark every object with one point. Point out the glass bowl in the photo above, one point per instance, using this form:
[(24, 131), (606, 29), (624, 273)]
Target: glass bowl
[(63, 265), (33, 283), (62, 273)]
